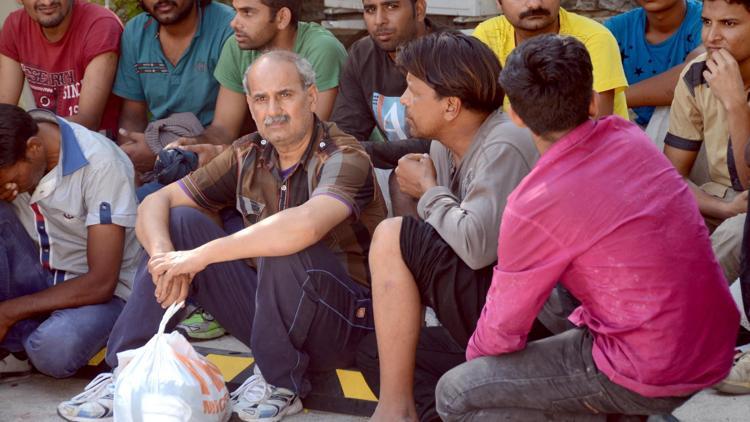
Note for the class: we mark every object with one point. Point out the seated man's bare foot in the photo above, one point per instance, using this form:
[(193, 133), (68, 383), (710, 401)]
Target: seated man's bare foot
[(384, 414)]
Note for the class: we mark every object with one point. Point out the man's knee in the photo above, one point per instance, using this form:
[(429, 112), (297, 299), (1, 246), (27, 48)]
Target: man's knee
[(55, 352), (726, 241), (386, 240), (183, 217), (6, 211), (449, 394)]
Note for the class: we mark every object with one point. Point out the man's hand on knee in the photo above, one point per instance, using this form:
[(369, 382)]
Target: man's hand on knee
[(171, 290)]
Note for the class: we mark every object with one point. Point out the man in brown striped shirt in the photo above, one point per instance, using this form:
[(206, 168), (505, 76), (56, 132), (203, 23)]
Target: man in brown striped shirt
[(310, 203)]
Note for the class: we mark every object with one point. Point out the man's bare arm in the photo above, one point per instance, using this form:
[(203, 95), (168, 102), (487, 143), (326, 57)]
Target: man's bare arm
[(326, 100), (658, 90), (96, 88), (152, 224), (606, 103), (11, 80), (231, 110), (104, 250), (708, 205), (723, 76)]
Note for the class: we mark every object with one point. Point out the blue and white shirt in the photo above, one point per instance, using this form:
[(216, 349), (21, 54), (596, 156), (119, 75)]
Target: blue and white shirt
[(92, 184)]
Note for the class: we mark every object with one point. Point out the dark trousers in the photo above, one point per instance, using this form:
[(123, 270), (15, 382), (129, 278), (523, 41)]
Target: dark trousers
[(296, 313), (551, 379)]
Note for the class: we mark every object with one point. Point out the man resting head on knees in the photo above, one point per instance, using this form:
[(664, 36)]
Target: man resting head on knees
[(443, 259), (608, 217), (68, 252), (310, 204)]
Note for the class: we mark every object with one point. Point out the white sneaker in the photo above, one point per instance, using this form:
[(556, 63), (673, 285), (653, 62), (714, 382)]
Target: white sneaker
[(738, 380), (94, 403), (14, 365), (279, 403), (252, 391)]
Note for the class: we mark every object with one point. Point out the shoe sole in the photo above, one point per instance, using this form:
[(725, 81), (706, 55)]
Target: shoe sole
[(292, 409), (75, 419), (200, 337), (733, 388), (14, 376)]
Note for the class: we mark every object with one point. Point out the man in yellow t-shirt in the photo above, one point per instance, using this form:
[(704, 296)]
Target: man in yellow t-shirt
[(521, 21)]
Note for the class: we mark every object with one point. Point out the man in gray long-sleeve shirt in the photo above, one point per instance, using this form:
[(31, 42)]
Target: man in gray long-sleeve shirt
[(443, 260)]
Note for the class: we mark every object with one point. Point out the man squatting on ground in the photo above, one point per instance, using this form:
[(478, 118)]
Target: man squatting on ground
[(613, 249), (444, 258)]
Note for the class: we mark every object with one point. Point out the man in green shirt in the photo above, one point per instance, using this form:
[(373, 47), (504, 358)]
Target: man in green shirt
[(262, 25)]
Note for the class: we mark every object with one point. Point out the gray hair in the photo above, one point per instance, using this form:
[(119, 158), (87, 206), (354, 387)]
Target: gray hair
[(304, 68)]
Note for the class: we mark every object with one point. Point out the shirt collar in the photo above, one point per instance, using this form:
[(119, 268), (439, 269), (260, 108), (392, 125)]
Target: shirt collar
[(72, 157)]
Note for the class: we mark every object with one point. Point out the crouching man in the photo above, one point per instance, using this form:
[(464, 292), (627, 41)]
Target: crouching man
[(68, 252), (608, 217), (310, 202)]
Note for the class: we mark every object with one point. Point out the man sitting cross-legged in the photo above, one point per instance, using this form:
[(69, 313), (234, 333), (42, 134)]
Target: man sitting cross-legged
[(68, 253), (607, 216), (443, 260), (308, 195)]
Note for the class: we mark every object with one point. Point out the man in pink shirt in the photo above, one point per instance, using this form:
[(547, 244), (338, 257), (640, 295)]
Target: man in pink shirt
[(607, 216)]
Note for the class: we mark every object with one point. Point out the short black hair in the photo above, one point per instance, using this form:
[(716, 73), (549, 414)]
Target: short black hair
[(745, 3), (549, 82), (16, 127), (455, 65), (294, 6)]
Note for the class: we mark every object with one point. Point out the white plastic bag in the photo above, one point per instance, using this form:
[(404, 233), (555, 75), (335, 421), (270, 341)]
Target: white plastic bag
[(168, 381)]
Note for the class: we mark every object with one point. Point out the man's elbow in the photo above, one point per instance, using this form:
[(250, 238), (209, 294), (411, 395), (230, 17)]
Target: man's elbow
[(102, 288), (90, 121)]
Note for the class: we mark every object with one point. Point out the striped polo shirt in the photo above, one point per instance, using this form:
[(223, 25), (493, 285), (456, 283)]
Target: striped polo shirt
[(92, 184)]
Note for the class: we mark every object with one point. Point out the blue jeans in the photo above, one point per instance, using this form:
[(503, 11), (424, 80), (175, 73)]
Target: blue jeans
[(296, 313), (60, 343)]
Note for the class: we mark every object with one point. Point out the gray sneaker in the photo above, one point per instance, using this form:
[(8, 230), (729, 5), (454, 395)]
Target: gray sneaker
[(278, 403)]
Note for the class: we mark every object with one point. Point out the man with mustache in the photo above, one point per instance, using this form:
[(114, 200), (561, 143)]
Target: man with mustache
[(263, 25), (522, 19), (169, 54), (67, 52), (293, 285), (711, 107)]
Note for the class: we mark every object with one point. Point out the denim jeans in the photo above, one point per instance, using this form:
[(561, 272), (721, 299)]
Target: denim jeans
[(554, 379), (296, 313), (62, 342)]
